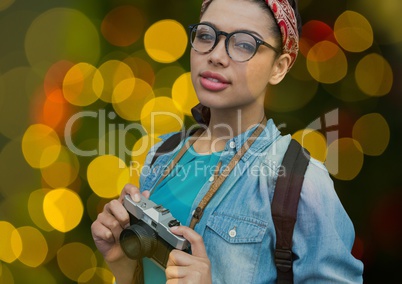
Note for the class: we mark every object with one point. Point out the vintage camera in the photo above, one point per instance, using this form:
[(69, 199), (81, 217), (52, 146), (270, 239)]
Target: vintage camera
[(149, 234)]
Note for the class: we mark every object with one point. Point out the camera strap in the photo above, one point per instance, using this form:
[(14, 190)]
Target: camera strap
[(218, 178)]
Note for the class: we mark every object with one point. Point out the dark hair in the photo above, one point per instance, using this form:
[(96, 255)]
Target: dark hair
[(275, 28)]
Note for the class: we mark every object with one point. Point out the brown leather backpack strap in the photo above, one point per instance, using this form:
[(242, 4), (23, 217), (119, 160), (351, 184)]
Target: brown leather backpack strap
[(284, 207)]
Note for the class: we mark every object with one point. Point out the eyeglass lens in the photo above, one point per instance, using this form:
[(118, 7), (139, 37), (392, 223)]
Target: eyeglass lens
[(240, 46)]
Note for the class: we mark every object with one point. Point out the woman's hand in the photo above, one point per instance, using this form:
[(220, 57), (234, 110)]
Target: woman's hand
[(106, 231), (188, 268)]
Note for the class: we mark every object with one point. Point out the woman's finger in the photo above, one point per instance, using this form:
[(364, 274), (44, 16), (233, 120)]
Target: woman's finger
[(196, 241)]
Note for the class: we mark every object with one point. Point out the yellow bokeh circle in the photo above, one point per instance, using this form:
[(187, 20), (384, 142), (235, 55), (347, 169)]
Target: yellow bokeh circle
[(40, 145), (82, 84), (373, 133), (10, 242), (344, 159), (313, 141), (96, 275), (374, 75), (34, 246), (183, 93), (327, 63), (63, 209), (74, 259), (113, 73), (353, 32), (160, 116), (61, 34), (165, 41), (107, 175), (130, 96), (35, 209), (63, 171), (6, 277)]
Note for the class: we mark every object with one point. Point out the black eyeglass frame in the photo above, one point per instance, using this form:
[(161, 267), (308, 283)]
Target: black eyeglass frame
[(228, 35)]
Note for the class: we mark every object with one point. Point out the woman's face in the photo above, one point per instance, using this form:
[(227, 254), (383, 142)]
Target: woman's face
[(222, 83)]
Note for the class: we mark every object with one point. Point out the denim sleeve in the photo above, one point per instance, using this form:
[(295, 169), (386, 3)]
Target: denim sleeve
[(324, 234)]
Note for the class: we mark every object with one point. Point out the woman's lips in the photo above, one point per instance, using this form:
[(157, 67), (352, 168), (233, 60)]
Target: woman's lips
[(213, 81)]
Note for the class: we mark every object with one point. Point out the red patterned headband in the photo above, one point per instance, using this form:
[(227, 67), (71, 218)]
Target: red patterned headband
[(286, 20)]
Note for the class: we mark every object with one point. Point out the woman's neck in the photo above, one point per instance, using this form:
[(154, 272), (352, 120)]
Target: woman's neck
[(223, 126), (232, 123)]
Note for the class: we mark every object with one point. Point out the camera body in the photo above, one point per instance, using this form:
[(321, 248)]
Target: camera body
[(148, 234)]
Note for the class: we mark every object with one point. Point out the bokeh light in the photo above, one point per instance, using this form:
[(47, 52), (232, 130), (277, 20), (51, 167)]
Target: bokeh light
[(373, 133), (344, 159), (353, 32), (107, 175), (385, 18), (63, 209), (160, 115), (12, 164), (10, 242), (74, 259), (313, 141), (54, 113), (130, 96), (4, 4), (96, 275), (34, 246), (40, 145), (326, 62), (82, 84), (55, 108), (284, 97), (141, 69), (17, 105), (314, 32), (35, 209), (165, 41), (79, 41), (123, 25), (167, 76), (183, 93), (113, 73), (6, 276), (55, 75), (374, 75), (63, 171), (346, 89)]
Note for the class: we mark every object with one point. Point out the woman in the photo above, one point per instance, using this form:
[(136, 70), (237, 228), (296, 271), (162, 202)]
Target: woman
[(238, 50)]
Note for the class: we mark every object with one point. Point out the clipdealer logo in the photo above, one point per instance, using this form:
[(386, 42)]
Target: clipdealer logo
[(107, 144), (327, 124)]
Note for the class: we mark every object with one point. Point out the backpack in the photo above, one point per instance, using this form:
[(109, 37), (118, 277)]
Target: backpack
[(284, 203)]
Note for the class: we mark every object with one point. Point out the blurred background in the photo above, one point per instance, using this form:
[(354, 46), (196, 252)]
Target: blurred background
[(80, 79)]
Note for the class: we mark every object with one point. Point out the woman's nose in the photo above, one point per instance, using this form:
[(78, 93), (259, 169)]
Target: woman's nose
[(219, 56)]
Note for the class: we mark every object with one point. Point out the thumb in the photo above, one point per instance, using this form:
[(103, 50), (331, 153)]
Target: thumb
[(146, 193), (196, 241)]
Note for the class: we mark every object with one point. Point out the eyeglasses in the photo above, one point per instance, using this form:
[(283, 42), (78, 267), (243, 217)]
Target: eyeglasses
[(241, 46)]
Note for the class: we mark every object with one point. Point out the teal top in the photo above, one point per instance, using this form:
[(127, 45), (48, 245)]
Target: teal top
[(177, 193)]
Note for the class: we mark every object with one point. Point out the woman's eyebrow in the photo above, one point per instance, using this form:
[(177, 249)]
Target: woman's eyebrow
[(241, 30)]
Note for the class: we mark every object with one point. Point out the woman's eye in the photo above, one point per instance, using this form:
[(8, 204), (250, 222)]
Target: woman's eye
[(245, 46), (205, 37)]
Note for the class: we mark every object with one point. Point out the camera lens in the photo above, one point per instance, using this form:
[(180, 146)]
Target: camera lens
[(138, 241)]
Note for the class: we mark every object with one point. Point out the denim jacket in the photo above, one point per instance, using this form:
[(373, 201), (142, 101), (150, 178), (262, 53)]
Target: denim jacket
[(237, 226)]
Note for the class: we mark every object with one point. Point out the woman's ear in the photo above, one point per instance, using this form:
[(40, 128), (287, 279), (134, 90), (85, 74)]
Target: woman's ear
[(280, 69)]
